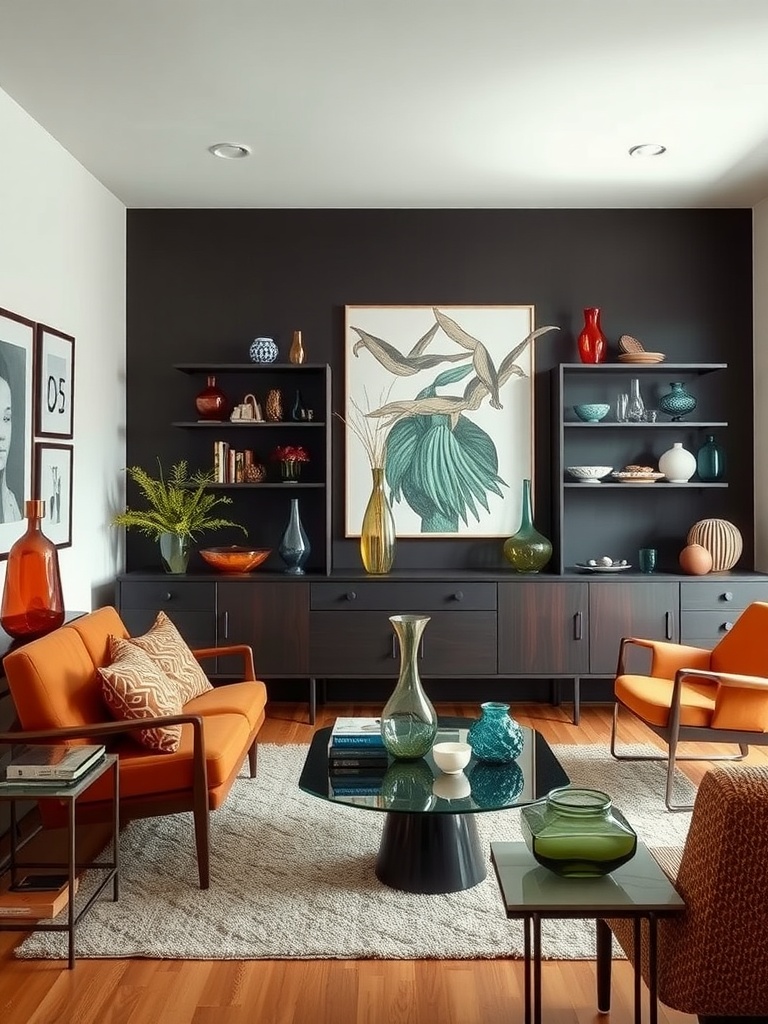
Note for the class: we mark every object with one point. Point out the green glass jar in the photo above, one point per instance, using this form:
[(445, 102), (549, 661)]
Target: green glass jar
[(528, 550), (408, 721), (577, 833)]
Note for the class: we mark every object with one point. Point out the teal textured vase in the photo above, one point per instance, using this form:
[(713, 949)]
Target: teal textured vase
[(577, 833), (495, 737), (528, 550), (678, 402), (710, 461), (408, 721)]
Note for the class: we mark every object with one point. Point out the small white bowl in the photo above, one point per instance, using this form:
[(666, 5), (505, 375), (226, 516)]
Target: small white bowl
[(451, 757), (588, 474)]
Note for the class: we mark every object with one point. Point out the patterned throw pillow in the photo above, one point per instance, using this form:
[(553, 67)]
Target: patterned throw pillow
[(134, 687), (166, 647)]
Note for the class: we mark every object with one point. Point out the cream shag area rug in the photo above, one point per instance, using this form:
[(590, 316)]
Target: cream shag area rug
[(293, 878)]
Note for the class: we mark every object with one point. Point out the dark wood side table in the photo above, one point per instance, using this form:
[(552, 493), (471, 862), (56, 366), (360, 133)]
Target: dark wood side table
[(11, 792), (637, 890)]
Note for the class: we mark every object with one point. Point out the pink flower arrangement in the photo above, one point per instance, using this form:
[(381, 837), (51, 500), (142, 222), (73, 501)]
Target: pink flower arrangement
[(290, 453)]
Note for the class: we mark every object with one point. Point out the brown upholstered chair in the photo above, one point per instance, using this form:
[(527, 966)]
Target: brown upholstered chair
[(717, 696), (713, 958), (58, 698)]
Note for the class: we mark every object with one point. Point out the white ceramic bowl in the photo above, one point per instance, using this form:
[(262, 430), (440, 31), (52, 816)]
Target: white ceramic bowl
[(588, 474), (451, 757)]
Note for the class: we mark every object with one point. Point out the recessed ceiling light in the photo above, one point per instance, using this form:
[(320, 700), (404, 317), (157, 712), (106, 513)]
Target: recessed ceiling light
[(230, 150), (648, 149)]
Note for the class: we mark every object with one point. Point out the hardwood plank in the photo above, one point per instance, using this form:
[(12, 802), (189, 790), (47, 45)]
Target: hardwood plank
[(327, 992)]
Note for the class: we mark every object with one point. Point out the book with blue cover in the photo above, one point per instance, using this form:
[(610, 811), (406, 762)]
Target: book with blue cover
[(356, 732)]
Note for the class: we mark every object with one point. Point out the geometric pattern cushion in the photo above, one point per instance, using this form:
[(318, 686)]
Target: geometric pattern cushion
[(166, 647), (134, 687)]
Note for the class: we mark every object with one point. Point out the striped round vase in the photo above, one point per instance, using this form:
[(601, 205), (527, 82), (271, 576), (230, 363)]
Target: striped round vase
[(721, 539)]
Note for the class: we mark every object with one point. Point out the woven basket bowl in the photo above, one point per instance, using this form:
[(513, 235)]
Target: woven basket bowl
[(721, 539)]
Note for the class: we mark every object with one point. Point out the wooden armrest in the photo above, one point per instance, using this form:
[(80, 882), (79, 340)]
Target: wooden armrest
[(244, 650), (666, 653), (728, 678)]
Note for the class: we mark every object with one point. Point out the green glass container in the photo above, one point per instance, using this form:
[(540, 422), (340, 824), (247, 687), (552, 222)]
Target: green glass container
[(577, 833), (710, 460), (528, 550), (174, 552), (408, 721), (377, 535), (495, 737)]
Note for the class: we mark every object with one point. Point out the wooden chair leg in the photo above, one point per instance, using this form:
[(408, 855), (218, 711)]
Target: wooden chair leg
[(202, 842), (253, 752)]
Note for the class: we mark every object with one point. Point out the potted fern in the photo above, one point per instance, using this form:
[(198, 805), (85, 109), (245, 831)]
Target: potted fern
[(180, 507)]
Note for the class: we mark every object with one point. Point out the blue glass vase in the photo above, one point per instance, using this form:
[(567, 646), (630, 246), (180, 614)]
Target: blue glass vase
[(710, 460), (294, 546), (495, 737), (678, 402)]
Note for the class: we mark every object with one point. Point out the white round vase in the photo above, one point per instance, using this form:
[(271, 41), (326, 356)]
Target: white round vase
[(678, 464)]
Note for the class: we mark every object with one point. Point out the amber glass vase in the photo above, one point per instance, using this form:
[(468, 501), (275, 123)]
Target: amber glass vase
[(377, 535), (33, 603)]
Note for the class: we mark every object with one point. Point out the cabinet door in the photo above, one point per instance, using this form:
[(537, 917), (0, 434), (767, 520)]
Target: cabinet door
[(363, 643), (273, 617), (642, 608), (543, 628)]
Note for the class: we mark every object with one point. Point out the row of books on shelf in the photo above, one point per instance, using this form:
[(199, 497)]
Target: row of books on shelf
[(53, 765), (229, 464)]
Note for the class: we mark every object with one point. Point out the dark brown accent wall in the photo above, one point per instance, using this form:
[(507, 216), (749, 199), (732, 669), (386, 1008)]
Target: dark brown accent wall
[(202, 283)]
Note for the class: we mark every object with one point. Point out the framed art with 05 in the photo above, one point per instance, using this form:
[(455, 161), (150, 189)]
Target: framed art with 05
[(17, 356), (55, 383), (53, 485)]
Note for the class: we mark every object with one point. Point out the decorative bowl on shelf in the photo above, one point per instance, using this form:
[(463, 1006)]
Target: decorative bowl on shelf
[(235, 558), (634, 477), (591, 412), (588, 474)]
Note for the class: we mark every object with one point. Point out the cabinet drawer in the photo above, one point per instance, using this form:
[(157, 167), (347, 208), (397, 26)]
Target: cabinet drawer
[(398, 598), (710, 594), (711, 626), (186, 596)]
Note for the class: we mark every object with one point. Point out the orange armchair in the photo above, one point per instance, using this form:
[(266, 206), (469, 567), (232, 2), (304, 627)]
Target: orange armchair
[(717, 696), (57, 694)]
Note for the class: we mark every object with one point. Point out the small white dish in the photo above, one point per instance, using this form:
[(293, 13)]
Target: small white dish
[(451, 757), (602, 568), (588, 474)]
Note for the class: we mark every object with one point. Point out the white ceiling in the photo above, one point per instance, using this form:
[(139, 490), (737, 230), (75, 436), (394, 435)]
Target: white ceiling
[(401, 103)]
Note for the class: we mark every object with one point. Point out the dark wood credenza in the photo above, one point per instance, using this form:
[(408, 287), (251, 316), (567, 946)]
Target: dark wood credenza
[(483, 625)]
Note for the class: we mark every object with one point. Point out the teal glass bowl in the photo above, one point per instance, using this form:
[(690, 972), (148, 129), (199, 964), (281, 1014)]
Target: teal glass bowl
[(591, 412), (577, 833)]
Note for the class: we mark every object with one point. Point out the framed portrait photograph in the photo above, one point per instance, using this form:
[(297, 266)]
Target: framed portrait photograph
[(17, 355), (446, 394), (55, 383), (53, 485)]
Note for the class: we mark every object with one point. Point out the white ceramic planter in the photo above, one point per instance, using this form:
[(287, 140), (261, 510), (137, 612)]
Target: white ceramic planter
[(678, 464)]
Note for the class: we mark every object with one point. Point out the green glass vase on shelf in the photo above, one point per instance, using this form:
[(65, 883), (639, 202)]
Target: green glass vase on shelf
[(710, 461), (377, 535), (408, 721), (577, 833), (528, 551)]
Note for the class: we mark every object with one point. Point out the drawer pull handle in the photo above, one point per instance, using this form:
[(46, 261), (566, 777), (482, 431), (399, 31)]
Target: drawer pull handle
[(226, 625), (668, 625), (577, 633), (350, 595), (169, 596), (459, 595), (727, 596), (727, 626), (394, 646)]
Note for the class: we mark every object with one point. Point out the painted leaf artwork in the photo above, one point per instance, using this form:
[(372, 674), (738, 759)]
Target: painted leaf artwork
[(443, 397)]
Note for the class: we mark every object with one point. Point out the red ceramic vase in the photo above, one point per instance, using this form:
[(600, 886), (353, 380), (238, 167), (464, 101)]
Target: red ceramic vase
[(593, 347), (212, 403)]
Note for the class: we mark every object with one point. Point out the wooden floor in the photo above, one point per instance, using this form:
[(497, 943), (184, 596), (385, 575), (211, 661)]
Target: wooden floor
[(316, 992)]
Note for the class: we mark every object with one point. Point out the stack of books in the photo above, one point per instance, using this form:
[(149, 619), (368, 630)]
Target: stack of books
[(36, 896), (53, 766), (357, 757)]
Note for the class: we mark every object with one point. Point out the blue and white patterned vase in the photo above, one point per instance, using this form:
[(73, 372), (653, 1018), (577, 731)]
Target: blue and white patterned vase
[(263, 350), (495, 737)]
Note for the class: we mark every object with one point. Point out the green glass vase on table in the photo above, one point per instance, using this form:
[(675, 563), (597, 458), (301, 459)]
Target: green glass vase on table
[(180, 506)]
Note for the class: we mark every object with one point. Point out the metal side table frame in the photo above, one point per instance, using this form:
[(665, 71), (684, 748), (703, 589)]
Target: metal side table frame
[(637, 890)]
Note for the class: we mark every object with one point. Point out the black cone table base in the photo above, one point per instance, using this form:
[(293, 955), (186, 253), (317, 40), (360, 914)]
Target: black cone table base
[(430, 853)]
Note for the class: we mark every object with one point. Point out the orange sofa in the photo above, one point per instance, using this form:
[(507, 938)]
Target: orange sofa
[(58, 698)]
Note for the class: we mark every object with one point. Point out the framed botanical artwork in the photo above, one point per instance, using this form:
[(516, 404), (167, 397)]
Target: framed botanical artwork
[(17, 355), (443, 396), (55, 383), (53, 484)]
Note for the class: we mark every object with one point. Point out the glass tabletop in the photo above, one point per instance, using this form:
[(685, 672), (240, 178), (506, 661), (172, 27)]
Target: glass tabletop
[(420, 787)]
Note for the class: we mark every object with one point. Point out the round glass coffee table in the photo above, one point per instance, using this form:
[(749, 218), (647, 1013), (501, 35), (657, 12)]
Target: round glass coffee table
[(430, 842)]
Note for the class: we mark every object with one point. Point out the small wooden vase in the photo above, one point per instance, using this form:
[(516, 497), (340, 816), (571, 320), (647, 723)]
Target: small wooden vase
[(296, 354)]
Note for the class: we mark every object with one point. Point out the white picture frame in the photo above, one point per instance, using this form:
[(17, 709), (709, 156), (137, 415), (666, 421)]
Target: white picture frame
[(17, 359), (475, 364)]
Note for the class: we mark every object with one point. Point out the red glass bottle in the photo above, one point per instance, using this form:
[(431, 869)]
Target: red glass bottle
[(212, 403), (593, 347), (33, 603)]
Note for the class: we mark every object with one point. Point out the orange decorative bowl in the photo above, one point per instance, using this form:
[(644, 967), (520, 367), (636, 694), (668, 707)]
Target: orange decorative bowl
[(234, 558)]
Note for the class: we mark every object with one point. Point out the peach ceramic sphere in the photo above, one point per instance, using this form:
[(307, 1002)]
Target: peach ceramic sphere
[(695, 560)]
